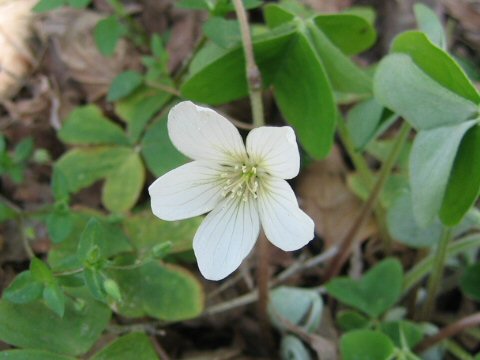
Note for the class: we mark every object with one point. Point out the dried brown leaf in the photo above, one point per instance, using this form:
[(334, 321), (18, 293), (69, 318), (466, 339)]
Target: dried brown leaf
[(74, 54), (15, 56)]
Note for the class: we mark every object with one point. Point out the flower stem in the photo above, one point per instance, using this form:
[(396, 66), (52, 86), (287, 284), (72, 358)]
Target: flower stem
[(254, 77), (437, 273), (347, 243), (263, 278)]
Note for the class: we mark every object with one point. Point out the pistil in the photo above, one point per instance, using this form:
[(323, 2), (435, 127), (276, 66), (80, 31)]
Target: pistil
[(240, 181)]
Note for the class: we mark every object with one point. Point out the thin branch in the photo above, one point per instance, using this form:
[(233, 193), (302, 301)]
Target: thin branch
[(252, 296), (450, 331)]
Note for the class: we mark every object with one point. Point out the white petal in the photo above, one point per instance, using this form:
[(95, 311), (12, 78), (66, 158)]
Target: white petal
[(202, 134), (284, 223), (275, 150), (226, 237), (189, 190)]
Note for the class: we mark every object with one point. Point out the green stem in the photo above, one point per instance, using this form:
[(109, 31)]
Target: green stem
[(254, 76), (367, 208), (437, 273), (366, 175), (424, 267), (358, 161)]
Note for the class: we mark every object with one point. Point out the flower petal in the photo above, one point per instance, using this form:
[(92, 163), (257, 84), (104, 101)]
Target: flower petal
[(189, 190), (284, 223), (226, 237), (202, 134), (275, 150)]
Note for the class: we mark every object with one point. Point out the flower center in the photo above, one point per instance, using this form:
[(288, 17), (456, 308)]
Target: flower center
[(240, 181)]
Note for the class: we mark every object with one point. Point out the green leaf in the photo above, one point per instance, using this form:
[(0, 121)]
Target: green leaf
[(351, 320), (79, 4), (23, 289), (223, 7), (59, 185), (86, 125), (113, 241), (165, 292), (54, 299), (132, 346), (378, 290), (147, 231), (73, 334), (223, 32), (292, 348), (464, 181), (311, 108), (430, 24), (222, 78), (431, 161), (157, 47), (298, 306), (59, 224), (342, 72), (47, 5), (194, 4), (123, 185), (350, 33), (470, 281), (107, 33), (41, 272), (276, 15), (91, 241), (24, 150), (137, 109), (32, 355), (112, 289), (366, 345), (367, 120), (124, 84), (158, 151), (403, 227), (403, 87), (94, 283), (443, 70), (82, 167), (403, 333)]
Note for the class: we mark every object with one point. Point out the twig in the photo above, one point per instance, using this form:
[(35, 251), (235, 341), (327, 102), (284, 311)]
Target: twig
[(284, 275), (159, 349), (449, 331), (367, 208)]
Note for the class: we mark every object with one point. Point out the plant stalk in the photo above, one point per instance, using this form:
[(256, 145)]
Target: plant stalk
[(347, 243), (437, 273), (254, 80), (254, 77)]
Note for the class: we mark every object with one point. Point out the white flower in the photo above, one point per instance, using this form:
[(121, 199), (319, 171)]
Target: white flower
[(242, 187)]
